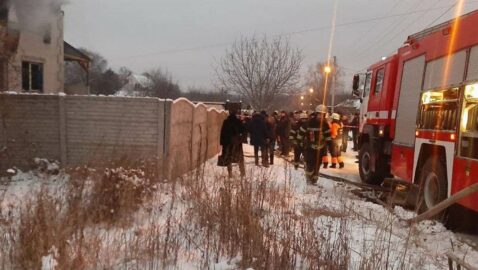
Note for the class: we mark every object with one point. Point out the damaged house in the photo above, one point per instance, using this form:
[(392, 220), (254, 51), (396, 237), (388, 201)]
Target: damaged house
[(32, 49)]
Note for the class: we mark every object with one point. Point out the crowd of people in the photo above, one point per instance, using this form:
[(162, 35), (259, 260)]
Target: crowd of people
[(312, 136)]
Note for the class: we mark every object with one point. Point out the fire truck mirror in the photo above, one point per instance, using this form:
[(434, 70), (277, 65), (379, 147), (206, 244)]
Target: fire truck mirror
[(355, 85), (356, 82)]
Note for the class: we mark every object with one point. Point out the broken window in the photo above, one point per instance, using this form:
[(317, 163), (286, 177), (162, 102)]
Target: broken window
[(32, 76), (47, 35)]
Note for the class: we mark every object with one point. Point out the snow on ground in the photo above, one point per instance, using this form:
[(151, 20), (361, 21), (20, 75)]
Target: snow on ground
[(424, 245), (374, 236)]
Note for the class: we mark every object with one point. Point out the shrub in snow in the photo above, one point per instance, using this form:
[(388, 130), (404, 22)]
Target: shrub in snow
[(46, 166), (118, 193)]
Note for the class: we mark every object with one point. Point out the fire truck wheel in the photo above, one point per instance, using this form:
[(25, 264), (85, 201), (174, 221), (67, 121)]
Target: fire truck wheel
[(433, 186), (366, 173)]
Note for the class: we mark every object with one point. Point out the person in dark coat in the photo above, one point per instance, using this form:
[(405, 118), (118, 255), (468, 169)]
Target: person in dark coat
[(355, 130), (260, 137), (271, 129), (296, 137), (283, 129), (345, 134), (233, 133), (315, 140)]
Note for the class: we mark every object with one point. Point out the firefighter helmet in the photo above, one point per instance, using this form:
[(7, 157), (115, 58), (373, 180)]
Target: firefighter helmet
[(304, 115), (335, 116), (321, 109)]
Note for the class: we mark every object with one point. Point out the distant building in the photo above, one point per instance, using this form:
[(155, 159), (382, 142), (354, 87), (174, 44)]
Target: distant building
[(32, 49), (137, 86)]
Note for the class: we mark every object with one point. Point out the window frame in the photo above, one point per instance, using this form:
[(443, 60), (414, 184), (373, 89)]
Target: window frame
[(368, 85), (30, 75), (460, 130), (380, 70)]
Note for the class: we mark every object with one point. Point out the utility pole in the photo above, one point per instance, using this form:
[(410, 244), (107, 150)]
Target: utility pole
[(333, 73)]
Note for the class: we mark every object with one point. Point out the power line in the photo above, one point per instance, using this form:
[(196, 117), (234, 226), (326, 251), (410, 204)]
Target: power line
[(429, 25), (404, 29), (443, 14), (341, 25), (362, 37), (378, 41)]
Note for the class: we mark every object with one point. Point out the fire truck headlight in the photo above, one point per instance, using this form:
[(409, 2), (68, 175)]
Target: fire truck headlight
[(471, 91), (381, 131)]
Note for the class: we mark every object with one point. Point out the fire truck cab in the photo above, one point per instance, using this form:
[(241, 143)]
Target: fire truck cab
[(420, 114)]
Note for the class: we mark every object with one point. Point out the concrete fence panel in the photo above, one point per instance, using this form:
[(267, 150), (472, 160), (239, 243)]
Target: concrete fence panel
[(29, 128), (215, 120), (173, 136), (199, 135), (180, 137), (111, 129)]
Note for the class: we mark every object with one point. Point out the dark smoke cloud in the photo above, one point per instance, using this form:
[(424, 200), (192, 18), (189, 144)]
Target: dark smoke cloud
[(35, 15)]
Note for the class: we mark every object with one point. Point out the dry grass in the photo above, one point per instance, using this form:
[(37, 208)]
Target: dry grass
[(255, 221)]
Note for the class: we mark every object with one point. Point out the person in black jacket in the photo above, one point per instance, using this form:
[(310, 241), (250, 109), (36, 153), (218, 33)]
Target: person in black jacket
[(297, 135), (315, 140), (271, 130), (283, 129), (260, 137), (355, 130), (232, 136)]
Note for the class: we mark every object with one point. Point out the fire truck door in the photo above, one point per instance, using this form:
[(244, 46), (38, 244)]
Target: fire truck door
[(374, 113), (465, 172)]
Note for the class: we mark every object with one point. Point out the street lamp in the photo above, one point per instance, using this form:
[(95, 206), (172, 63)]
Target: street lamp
[(311, 90), (327, 69), (302, 97)]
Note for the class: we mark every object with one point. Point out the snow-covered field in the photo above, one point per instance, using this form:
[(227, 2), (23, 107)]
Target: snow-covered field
[(271, 219)]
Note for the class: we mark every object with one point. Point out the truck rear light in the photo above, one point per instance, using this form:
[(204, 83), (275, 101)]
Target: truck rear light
[(452, 136), (417, 133), (381, 131)]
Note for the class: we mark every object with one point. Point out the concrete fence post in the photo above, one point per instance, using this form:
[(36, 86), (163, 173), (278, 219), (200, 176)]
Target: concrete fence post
[(167, 164), (3, 132), (191, 154), (161, 138), (62, 130)]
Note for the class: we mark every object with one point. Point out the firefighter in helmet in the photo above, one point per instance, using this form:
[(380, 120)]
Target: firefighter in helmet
[(315, 138), (336, 133), (297, 135)]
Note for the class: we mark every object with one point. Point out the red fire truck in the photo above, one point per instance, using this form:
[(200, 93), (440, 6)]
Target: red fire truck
[(420, 115)]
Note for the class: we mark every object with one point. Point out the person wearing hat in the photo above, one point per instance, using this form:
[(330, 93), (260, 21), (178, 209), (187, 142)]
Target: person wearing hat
[(232, 135), (335, 145), (316, 136), (297, 134)]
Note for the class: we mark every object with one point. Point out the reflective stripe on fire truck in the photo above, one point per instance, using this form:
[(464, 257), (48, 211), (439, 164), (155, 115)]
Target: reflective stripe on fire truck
[(377, 115), (394, 114), (449, 152)]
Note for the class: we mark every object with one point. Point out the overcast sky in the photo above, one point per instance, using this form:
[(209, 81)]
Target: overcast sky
[(187, 37)]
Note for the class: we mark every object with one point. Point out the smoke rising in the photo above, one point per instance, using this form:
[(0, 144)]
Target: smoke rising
[(35, 15)]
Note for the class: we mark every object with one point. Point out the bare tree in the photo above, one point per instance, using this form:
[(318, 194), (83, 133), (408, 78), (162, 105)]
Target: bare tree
[(162, 84), (315, 79), (260, 70)]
